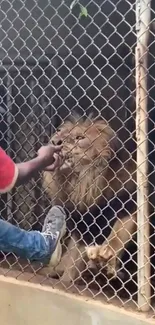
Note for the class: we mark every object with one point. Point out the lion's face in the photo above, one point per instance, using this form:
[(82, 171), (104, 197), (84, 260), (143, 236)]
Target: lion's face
[(87, 148), (84, 143)]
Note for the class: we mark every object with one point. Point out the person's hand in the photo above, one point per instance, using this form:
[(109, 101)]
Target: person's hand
[(58, 162), (50, 155)]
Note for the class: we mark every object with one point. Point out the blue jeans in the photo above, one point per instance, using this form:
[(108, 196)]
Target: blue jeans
[(26, 244)]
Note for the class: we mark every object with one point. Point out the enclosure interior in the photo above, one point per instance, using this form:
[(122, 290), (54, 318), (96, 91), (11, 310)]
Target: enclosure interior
[(53, 64)]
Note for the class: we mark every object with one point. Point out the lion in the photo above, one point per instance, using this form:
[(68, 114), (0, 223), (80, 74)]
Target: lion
[(95, 170)]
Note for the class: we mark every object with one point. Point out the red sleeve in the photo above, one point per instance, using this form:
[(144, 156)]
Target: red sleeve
[(8, 172)]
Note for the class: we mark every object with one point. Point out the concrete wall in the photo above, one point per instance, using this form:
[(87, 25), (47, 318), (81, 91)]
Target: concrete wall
[(24, 304)]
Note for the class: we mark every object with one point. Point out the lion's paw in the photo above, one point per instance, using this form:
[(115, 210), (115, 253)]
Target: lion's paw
[(104, 257), (92, 252), (111, 271), (106, 253), (108, 259)]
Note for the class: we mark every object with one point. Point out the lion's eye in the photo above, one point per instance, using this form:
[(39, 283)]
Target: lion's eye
[(79, 137)]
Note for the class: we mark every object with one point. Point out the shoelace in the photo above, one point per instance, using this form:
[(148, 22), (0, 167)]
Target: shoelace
[(49, 233), (49, 227)]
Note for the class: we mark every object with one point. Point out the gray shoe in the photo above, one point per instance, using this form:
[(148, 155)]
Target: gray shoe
[(54, 229)]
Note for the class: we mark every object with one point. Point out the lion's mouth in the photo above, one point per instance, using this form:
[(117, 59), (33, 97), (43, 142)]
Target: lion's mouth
[(68, 162)]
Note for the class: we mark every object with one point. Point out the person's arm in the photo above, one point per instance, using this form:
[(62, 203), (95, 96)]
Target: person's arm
[(12, 174), (27, 170)]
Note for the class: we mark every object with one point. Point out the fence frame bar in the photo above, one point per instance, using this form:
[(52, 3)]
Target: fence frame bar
[(143, 16)]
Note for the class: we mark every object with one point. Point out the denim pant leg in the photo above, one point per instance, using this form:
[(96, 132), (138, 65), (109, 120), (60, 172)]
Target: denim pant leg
[(26, 244)]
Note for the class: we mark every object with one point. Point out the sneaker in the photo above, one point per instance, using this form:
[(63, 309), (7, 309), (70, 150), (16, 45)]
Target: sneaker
[(55, 228)]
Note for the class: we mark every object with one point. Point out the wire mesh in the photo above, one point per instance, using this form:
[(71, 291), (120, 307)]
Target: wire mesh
[(54, 64)]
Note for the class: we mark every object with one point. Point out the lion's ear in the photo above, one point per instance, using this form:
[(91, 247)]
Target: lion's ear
[(74, 118), (109, 136)]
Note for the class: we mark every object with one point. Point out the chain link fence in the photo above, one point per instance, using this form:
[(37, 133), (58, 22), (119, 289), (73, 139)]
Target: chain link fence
[(58, 59)]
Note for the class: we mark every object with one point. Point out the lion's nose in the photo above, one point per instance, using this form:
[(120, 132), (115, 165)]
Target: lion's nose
[(57, 142)]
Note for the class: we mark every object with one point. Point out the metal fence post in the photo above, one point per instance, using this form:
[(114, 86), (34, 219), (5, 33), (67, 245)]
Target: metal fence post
[(142, 28)]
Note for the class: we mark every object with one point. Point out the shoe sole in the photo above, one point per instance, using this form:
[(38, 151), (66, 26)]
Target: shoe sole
[(56, 256)]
